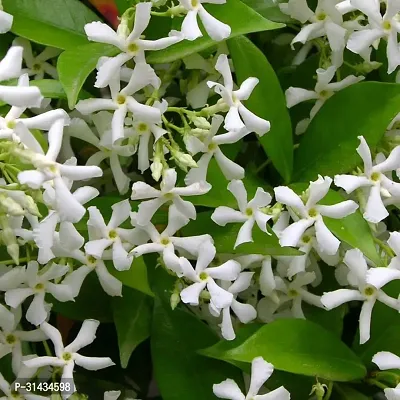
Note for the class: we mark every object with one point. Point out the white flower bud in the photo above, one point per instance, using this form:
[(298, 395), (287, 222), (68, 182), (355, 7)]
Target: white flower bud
[(10, 206), (156, 169), (201, 122), (183, 160)]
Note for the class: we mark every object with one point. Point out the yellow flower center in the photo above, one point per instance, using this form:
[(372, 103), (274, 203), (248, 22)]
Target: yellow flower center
[(369, 291), (39, 286), (142, 127), (112, 234), (249, 212), (67, 356), (375, 176), (165, 241), (312, 212), (11, 339), (387, 25), (293, 293), (203, 276), (133, 48), (121, 99), (321, 16)]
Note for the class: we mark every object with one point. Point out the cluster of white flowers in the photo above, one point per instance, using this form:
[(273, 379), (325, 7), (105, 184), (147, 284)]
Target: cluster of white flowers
[(50, 256)]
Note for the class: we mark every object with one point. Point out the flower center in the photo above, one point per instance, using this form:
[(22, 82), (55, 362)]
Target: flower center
[(249, 212), (53, 169), (369, 291), (165, 241), (36, 67), (321, 16), (11, 124), (169, 196), (39, 286), (293, 293), (121, 99), (195, 3), (306, 239), (113, 234), (325, 94), (142, 127), (91, 260), (133, 48), (203, 276), (67, 356), (15, 395), (375, 176), (11, 339), (312, 212), (387, 25), (212, 146)]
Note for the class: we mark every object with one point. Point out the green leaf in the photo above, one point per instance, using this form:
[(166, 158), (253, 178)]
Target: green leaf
[(75, 65), (132, 317), (179, 371), (385, 328), (267, 101), (56, 23), (238, 16), (92, 302), (329, 145), (135, 277), (225, 237), (353, 229), (269, 9), (297, 346)]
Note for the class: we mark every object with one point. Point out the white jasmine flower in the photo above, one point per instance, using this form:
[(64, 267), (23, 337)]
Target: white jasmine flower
[(111, 235), (37, 284), (204, 277), (380, 26), (106, 149), (37, 66), (166, 243), (238, 116), (21, 95), (367, 289), (216, 29), (309, 213), (260, 373), (386, 360), (168, 192), (6, 21), (325, 21), (11, 336), (121, 102), (47, 169), (324, 89), (66, 357), (11, 278), (210, 148), (244, 312), (249, 212), (8, 389), (131, 45), (375, 181)]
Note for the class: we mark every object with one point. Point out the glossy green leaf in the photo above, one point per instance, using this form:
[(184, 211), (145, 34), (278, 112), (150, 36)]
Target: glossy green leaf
[(135, 277), (297, 346), (353, 229), (385, 328), (132, 318), (346, 392), (241, 18), (267, 101), (56, 23), (75, 65), (328, 147), (225, 237), (269, 9), (180, 372), (92, 302)]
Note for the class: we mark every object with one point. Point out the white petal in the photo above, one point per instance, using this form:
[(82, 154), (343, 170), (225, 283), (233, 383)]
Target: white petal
[(216, 29), (190, 28), (79, 173), (293, 233), (93, 363), (339, 210), (295, 96), (220, 297), (10, 65), (199, 174), (261, 198), (147, 209), (120, 213), (328, 243), (227, 330), (228, 271), (355, 260), (394, 242), (75, 279), (207, 253), (267, 280), (86, 335), (141, 191), (15, 297), (253, 122), (97, 247), (102, 33), (37, 312), (122, 260), (336, 36), (375, 210), (229, 168), (245, 233), (109, 70), (365, 153), (237, 188), (365, 320), (228, 389), (287, 196), (6, 21), (190, 295), (143, 112), (245, 312), (90, 106), (222, 66), (386, 360), (242, 282), (246, 88), (233, 121), (351, 182), (70, 237), (111, 285), (338, 297), (278, 394), (260, 372), (379, 277), (360, 41)]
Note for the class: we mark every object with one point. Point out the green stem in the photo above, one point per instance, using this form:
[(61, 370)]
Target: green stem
[(384, 247), (47, 349), (329, 391), (8, 262), (376, 383)]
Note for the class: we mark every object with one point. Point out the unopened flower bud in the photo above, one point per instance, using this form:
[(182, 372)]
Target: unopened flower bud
[(201, 122), (156, 169), (183, 160), (10, 206)]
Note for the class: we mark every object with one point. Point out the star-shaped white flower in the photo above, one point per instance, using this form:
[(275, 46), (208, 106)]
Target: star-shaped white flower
[(131, 45), (37, 66), (249, 212), (204, 275), (309, 213), (238, 116), (374, 180), (367, 289), (66, 357), (103, 236), (386, 360), (11, 336), (324, 89), (380, 26), (11, 394), (19, 96), (260, 373), (210, 148), (167, 193), (165, 243), (326, 20), (216, 29), (37, 284)]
